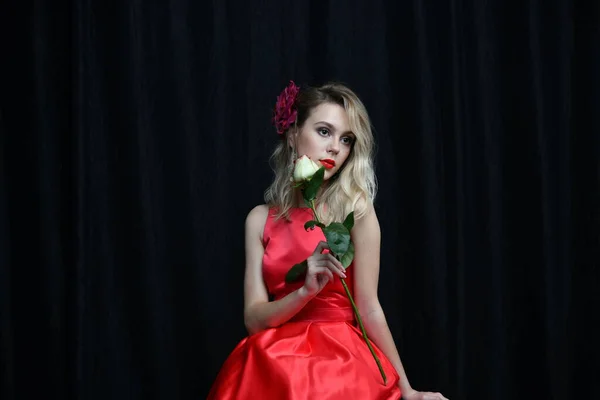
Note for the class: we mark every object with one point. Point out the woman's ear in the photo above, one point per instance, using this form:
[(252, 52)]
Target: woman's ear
[(291, 137)]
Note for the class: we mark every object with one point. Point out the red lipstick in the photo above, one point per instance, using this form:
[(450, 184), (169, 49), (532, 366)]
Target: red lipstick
[(327, 163)]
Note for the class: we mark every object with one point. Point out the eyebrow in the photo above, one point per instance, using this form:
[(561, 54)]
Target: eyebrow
[(327, 124)]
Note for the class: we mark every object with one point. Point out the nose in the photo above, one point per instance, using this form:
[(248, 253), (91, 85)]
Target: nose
[(334, 147)]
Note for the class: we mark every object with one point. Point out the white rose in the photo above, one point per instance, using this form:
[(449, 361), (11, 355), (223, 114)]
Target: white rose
[(304, 169)]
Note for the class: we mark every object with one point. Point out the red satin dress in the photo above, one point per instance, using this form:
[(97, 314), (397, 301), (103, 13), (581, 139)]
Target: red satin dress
[(320, 353)]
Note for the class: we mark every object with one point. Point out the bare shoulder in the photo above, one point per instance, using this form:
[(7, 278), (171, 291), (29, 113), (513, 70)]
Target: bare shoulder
[(256, 218), (260, 211), (368, 224)]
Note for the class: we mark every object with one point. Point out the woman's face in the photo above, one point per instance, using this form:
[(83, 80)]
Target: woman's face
[(325, 138)]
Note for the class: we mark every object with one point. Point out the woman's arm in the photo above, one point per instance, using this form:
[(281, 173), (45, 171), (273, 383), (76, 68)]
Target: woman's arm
[(259, 313), (366, 236)]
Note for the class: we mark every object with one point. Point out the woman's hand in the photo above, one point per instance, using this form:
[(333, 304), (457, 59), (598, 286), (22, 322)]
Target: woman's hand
[(320, 270), (415, 395)]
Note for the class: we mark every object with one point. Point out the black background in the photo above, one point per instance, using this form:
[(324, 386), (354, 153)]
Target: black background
[(135, 137)]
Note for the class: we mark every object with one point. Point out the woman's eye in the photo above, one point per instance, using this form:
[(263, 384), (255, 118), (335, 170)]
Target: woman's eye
[(347, 140), (323, 131)]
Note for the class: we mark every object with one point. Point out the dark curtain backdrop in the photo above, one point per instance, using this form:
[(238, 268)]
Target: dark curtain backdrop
[(135, 139)]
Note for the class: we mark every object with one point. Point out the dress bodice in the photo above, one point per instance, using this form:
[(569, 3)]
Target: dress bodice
[(287, 243)]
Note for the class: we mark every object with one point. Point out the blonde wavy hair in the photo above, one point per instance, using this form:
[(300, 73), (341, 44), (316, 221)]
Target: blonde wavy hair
[(354, 187)]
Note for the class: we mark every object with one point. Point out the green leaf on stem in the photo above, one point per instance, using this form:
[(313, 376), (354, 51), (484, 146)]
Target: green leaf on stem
[(348, 256), (311, 225), (296, 272), (338, 238), (312, 187), (349, 221)]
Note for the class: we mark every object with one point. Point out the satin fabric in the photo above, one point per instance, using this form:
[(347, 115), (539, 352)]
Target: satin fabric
[(319, 353)]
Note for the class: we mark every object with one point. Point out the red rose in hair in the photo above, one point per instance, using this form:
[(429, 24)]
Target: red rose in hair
[(285, 113)]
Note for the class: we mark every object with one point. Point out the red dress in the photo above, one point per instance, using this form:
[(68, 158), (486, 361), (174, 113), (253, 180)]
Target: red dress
[(320, 353)]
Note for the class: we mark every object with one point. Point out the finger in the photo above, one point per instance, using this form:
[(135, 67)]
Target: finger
[(326, 256), (321, 273), (435, 396), (320, 247), (322, 270), (333, 268), (330, 265), (338, 271), (317, 269), (440, 396), (330, 275), (336, 262)]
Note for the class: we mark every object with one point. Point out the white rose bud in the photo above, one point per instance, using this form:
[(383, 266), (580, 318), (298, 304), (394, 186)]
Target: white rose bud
[(304, 169)]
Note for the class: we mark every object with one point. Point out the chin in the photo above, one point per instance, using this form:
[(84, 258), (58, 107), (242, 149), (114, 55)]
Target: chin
[(328, 174)]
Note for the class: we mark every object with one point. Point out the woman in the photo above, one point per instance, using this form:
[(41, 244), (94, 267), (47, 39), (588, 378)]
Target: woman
[(304, 344)]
